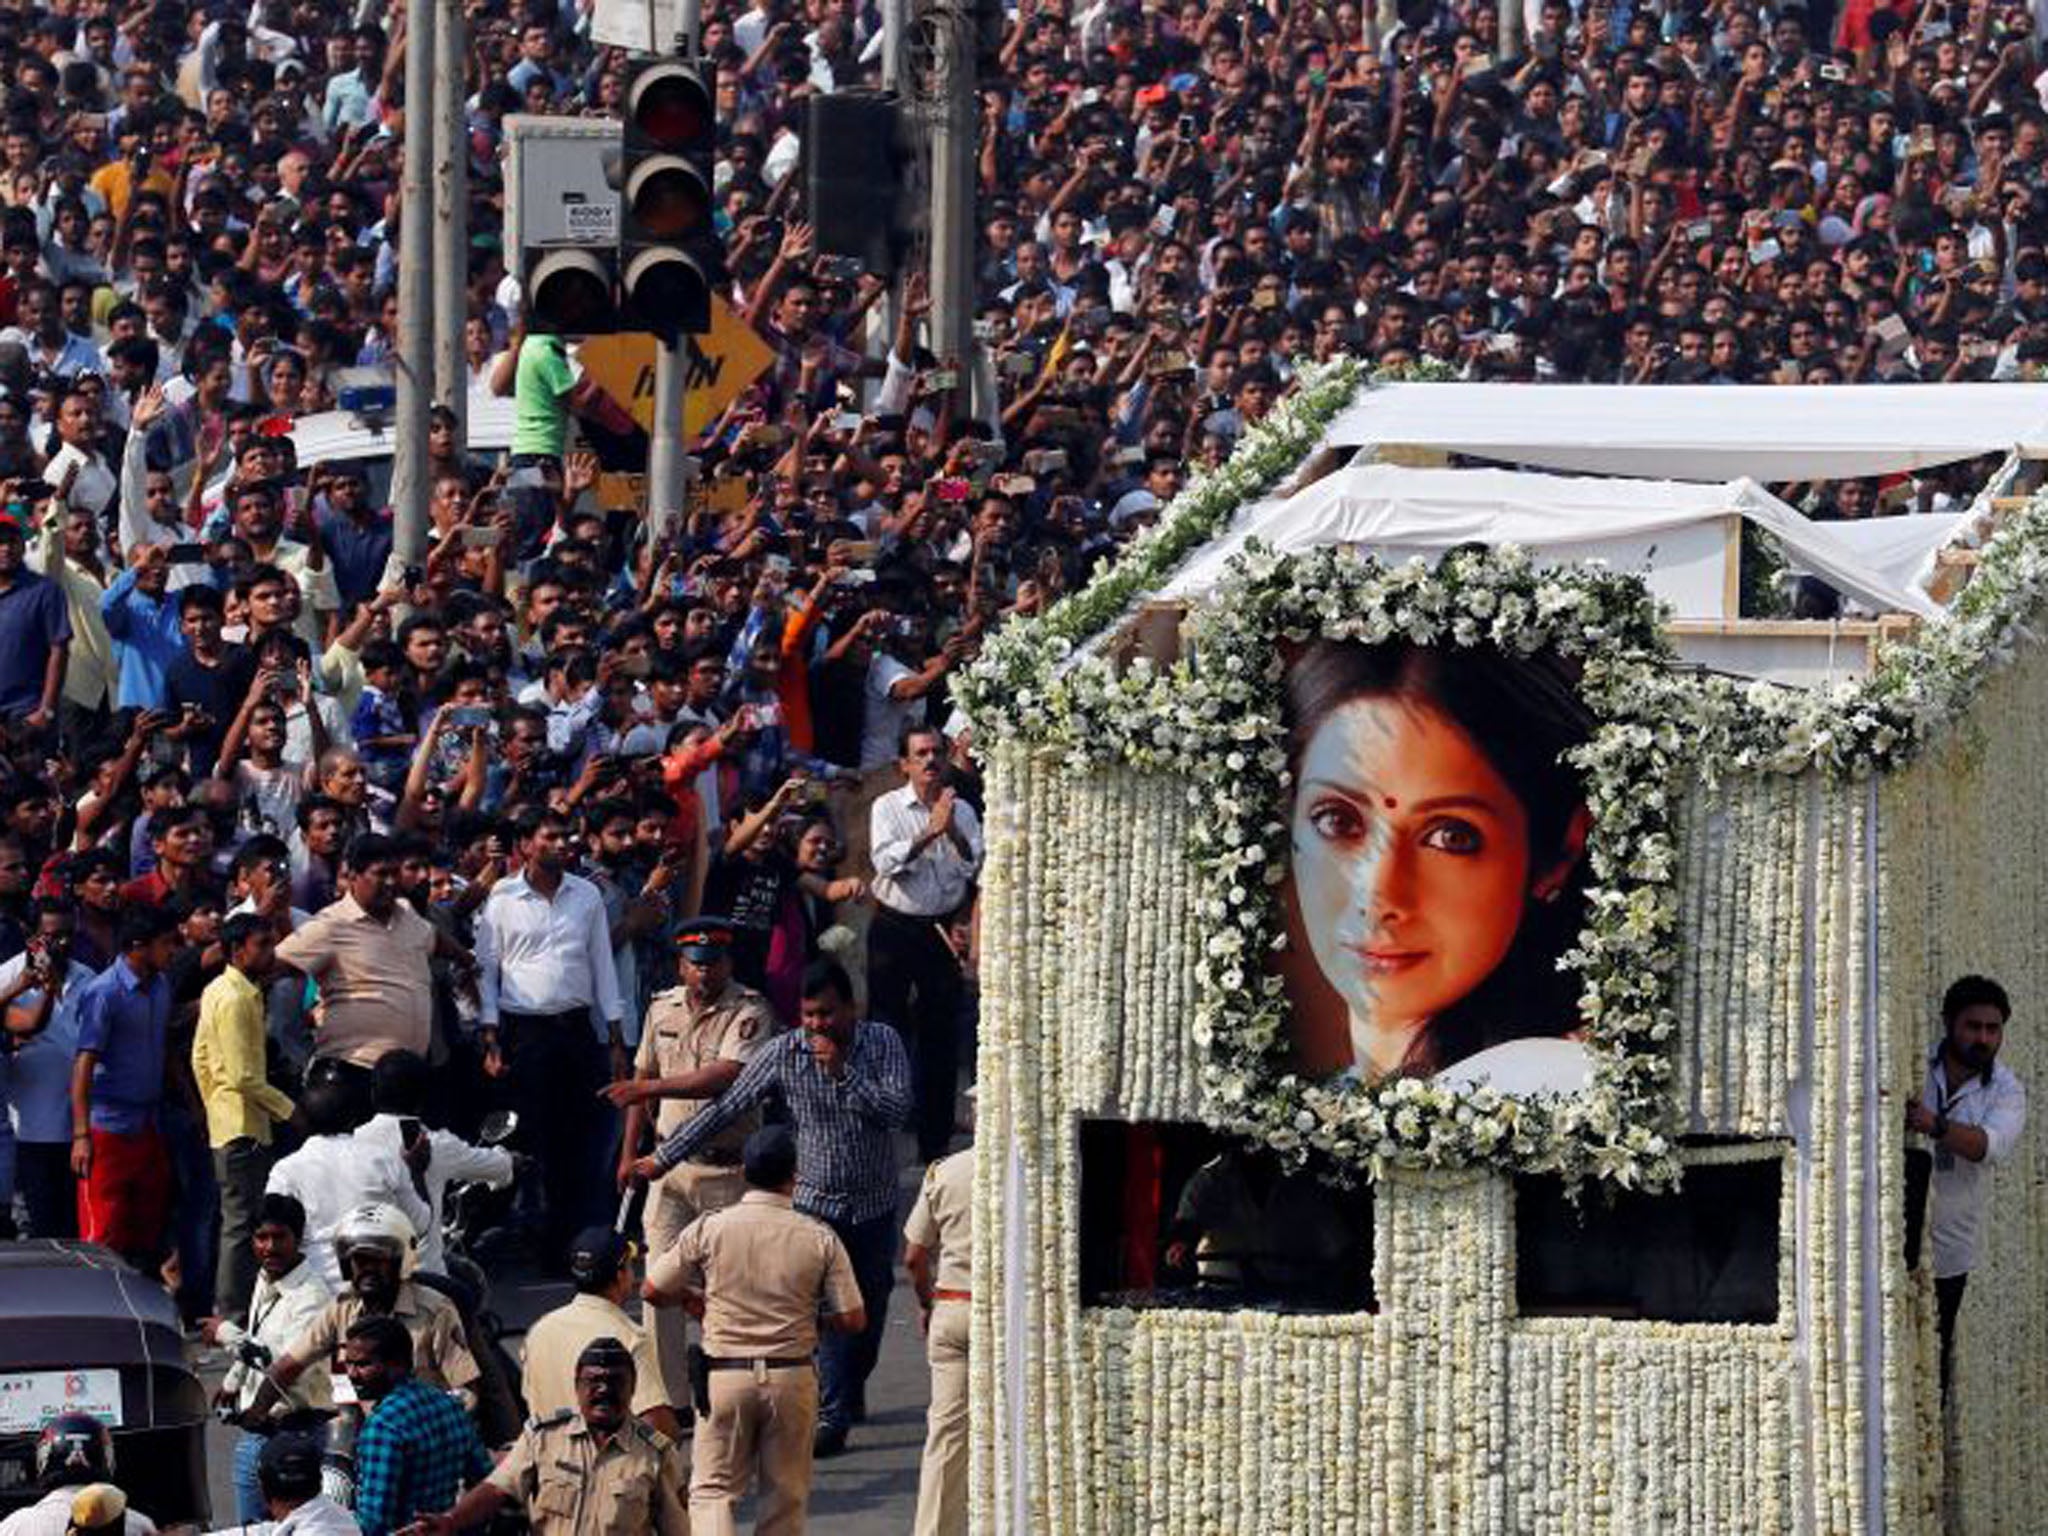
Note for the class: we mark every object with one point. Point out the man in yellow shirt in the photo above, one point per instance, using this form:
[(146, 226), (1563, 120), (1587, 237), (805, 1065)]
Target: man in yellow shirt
[(242, 1108)]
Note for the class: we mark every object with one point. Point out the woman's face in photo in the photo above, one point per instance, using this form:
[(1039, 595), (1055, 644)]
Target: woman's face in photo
[(1410, 867)]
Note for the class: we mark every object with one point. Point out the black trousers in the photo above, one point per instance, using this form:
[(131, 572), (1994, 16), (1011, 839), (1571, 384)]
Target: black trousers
[(555, 1067), (914, 985), (1948, 1301), (42, 1172)]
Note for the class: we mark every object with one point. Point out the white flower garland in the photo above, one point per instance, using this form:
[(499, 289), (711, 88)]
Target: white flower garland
[(1212, 718)]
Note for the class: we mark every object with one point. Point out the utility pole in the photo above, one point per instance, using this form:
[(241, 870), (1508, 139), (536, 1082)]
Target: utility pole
[(1512, 41), (892, 44), (451, 213), (409, 488), (947, 103)]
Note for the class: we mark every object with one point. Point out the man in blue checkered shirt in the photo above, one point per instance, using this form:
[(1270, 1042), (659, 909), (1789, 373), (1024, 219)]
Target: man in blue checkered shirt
[(846, 1084), (417, 1447)]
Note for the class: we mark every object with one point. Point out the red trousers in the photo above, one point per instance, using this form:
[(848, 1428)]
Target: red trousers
[(126, 1203)]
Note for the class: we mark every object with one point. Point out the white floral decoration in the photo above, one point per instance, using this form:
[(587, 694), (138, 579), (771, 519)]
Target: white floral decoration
[(1212, 718)]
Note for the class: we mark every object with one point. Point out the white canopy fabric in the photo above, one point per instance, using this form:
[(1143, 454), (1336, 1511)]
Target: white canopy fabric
[(1399, 513), (1701, 432), (1900, 549)]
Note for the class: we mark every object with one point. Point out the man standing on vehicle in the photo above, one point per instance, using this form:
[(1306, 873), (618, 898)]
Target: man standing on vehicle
[(1972, 1111), (591, 1471)]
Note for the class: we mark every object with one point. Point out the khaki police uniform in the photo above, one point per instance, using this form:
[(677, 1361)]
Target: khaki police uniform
[(440, 1350), (571, 1483), (676, 1039), (554, 1343), (942, 1223), (763, 1268)]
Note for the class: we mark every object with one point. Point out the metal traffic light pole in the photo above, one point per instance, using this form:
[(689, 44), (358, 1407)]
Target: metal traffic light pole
[(667, 465), (415, 350)]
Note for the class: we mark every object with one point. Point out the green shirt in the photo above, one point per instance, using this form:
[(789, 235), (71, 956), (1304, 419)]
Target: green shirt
[(540, 397)]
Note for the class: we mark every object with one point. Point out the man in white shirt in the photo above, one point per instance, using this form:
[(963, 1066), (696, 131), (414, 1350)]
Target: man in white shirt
[(399, 1090), (289, 1297), (926, 847), (333, 1173), (893, 691), (288, 1484), (549, 1012), (1972, 1111)]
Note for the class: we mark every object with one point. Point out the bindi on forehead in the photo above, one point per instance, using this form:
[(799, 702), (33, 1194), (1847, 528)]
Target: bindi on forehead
[(1390, 803)]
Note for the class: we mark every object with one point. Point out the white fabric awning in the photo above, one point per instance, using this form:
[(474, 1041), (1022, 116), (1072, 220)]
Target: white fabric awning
[(1643, 525), (1701, 432), (1900, 549)]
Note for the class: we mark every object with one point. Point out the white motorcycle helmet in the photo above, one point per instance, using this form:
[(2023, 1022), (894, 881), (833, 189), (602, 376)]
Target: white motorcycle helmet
[(380, 1227)]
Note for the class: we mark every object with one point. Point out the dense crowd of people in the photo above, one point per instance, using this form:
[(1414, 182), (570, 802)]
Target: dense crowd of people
[(300, 845)]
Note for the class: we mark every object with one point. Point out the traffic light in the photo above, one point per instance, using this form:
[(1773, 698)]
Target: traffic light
[(569, 290), (862, 190), (670, 260)]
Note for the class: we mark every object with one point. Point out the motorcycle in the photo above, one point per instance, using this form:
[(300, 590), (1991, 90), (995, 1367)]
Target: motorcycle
[(467, 1232)]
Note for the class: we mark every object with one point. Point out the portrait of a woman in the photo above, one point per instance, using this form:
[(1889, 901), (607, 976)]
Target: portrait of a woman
[(1437, 865)]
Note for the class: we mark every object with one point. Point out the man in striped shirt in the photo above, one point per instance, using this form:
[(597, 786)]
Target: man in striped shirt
[(846, 1084)]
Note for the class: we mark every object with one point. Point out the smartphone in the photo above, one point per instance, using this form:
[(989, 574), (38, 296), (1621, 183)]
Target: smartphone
[(468, 717), (1132, 456), (1046, 461), (413, 575), (777, 565), (1019, 365), (950, 488), (1763, 251), (1700, 229), (187, 554), (1015, 485), (856, 578), (939, 380), (1265, 298), (1188, 128), (474, 537), (861, 550), (847, 269), (847, 421)]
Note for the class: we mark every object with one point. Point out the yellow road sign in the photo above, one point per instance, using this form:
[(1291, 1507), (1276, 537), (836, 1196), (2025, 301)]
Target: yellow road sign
[(720, 366)]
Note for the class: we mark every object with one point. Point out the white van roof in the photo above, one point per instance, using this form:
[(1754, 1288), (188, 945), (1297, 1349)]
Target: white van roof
[(331, 437)]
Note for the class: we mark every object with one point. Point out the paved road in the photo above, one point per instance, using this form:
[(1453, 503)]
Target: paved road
[(870, 1491)]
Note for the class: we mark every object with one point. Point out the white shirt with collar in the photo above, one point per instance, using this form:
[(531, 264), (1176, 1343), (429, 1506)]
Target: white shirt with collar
[(537, 955), (279, 1311), (318, 1516), (1961, 1187), (332, 1175), (932, 881), (450, 1161), (95, 488)]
